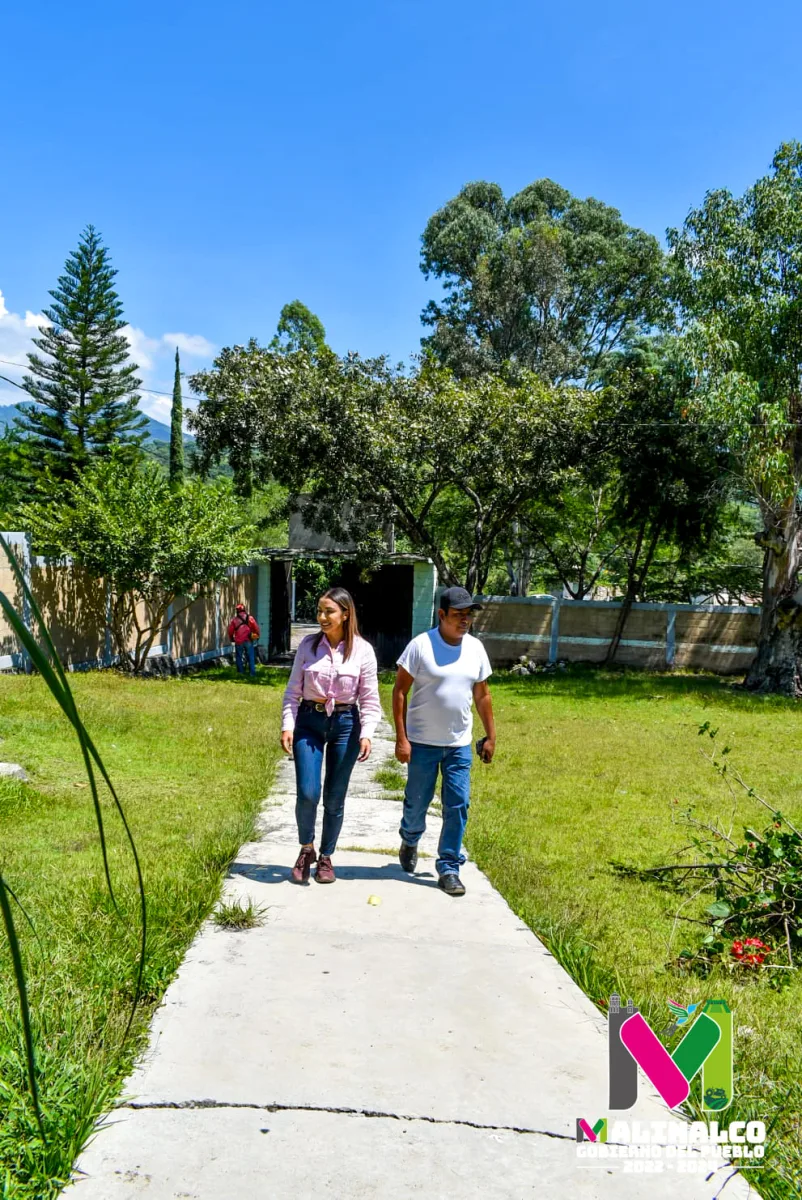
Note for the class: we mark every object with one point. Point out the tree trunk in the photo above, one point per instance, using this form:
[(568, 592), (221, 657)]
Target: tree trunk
[(518, 561), (473, 571), (634, 585), (120, 624), (778, 664), (146, 635)]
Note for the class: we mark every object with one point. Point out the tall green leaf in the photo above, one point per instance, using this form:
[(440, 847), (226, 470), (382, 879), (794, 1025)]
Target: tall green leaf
[(50, 668), (25, 1012)]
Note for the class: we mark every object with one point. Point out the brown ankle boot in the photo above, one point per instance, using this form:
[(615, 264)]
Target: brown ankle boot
[(325, 871), (300, 872)]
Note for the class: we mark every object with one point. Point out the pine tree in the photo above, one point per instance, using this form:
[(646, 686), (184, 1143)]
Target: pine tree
[(85, 387), (177, 428)]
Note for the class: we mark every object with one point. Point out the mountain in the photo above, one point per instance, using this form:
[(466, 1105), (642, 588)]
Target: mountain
[(7, 414), (156, 430)]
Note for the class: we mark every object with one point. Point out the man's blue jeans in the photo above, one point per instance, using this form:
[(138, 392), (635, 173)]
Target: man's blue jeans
[(454, 764), (240, 650), (337, 736)]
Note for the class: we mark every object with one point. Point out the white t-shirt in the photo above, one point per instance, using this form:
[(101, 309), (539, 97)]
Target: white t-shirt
[(440, 708)]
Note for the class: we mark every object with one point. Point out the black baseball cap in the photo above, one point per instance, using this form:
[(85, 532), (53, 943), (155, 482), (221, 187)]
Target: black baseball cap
[(457, 597)]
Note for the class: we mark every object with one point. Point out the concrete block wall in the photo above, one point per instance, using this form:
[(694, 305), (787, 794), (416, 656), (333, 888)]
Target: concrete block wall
[(75, 608), (545, 628)]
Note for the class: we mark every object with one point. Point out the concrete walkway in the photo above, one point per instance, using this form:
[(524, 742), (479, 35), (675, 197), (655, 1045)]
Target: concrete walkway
[(423, 1045)]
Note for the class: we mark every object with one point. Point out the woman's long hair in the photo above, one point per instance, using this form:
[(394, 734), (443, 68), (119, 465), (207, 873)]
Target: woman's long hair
[(345, 601)]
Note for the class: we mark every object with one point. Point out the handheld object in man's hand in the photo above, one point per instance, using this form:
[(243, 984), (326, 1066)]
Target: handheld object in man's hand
[(480, 749)]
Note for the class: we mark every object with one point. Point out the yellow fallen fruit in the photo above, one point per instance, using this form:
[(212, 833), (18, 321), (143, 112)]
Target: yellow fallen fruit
[(374, 899)]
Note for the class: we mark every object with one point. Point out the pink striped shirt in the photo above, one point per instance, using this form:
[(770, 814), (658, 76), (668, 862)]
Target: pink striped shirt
[(323, 676)]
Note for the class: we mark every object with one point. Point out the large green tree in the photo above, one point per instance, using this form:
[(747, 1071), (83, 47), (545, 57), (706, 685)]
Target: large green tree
[(740, 285), (542, 280), (449, 462), (82, 382), (177, 428), (670, 484), (159, 549), (571, 536), (247, 389), (645, 486), (298, 329)]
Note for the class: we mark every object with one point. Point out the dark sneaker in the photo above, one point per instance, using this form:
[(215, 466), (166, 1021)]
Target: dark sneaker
[(451, 884), (325, 871), (300, 872), (408, 857)]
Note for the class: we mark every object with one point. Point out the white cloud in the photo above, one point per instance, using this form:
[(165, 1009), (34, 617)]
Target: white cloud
[(153, 355), (143, 348), (16, 339), (192, 344), (156, 406)]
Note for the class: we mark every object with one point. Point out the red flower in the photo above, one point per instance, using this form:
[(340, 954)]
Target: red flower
[(750, 951)]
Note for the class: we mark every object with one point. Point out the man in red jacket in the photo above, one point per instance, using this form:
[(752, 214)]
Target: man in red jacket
[(244, 633)]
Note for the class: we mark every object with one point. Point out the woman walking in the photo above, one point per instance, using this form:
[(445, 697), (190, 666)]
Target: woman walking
[(331, 706)]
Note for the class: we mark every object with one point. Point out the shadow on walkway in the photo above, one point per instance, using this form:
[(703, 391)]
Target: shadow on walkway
[(270, 873)]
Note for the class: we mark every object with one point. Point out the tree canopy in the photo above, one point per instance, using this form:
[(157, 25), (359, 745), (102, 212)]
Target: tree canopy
[(543, 281), (740, 286), (154, 545), (83, 384), (177, 428), (298, 329), (415, 449), (11, 475)]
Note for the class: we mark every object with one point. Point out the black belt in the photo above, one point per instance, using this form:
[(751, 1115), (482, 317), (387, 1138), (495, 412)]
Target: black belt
[(318, 707)]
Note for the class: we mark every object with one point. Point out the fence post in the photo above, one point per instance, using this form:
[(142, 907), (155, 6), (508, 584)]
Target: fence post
[(218, 646), (25, 567), (20, 546), (671, 636), (107, 656), (170, 630), (555, 629)]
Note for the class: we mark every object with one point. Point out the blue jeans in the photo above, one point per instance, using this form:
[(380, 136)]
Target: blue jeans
[(337, 736), (454, 764), (240, 650)]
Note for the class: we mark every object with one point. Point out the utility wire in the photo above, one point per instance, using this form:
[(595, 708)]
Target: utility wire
[(9, 363), (602, 421)]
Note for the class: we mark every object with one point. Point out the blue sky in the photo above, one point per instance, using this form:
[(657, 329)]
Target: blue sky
[(236, 156)]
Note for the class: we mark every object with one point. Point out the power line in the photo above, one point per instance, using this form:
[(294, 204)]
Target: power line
[(9, 363), (602, 420), (5, 379)]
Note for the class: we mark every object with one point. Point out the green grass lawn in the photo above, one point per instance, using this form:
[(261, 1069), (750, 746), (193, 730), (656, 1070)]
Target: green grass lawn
[(192, 760), (590, 766)]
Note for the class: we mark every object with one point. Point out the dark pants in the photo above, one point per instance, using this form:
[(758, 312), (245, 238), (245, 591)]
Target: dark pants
[(338, 737), (240, 650)]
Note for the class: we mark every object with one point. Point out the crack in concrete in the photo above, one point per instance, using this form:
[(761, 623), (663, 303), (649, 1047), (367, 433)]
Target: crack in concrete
[(339, 1111)]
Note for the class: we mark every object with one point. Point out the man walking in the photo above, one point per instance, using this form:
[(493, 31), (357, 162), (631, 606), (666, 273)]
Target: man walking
[(449, 669), (244, 633)]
